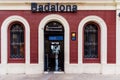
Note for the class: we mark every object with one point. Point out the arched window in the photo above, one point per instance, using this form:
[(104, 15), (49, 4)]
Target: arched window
[(91, 43), (16, 42)]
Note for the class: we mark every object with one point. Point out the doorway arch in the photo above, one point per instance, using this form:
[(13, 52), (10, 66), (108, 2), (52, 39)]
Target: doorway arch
[(44, 21)]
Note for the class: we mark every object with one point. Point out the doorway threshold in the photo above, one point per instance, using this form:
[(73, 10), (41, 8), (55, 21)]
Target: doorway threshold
[(54, 72)]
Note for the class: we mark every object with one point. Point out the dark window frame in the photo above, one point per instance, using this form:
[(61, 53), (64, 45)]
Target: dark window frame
[(92, 60), (14, 60)]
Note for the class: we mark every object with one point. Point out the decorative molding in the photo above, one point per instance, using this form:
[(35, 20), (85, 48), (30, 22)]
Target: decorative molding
[(103, 37), (82, 4), (60, 1), (117, 38), (63, 21), (4, 38)]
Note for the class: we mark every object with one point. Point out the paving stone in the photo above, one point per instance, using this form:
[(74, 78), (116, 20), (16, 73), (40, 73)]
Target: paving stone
[(52, 76)]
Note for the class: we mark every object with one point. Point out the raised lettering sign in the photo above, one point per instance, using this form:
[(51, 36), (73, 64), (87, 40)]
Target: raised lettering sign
[(53, 8)]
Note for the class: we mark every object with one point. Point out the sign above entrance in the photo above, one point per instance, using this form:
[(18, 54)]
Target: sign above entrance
[(54, 26), (53, 7), (56, 38)]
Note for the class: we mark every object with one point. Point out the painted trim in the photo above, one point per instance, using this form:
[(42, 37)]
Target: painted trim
[(82, 5), (63, 21), (103, 37), (59, 1), (117, 38), (4, 38)]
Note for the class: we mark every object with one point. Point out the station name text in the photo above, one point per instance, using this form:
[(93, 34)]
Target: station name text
[(53, 7)]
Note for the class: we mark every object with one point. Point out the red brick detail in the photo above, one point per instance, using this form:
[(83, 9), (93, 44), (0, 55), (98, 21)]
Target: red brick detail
[(111, 38), (74, 49), (109, 16), (34, 43)]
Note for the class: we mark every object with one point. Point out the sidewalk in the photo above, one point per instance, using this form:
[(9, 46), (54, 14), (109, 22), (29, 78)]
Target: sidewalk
[(51, 76)]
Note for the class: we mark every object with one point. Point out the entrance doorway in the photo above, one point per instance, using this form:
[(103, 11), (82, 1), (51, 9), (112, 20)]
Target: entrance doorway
[(53, 46)]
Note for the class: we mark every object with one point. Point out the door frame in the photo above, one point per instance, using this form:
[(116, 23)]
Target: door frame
[(44, 21)]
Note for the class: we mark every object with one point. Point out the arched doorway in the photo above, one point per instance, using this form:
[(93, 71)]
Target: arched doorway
[(54, 46)]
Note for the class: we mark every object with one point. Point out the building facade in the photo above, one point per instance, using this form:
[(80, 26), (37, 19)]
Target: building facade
[(79, 36)]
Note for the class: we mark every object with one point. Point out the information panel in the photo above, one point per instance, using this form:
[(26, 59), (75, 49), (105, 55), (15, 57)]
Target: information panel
[(55, 37)]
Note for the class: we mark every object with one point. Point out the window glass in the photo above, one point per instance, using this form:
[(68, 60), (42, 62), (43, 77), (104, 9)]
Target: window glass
[(16, 41), (91, 41)]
